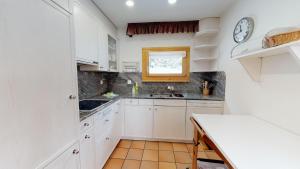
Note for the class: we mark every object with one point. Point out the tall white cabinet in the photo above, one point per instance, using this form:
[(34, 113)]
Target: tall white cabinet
[(38, 76)]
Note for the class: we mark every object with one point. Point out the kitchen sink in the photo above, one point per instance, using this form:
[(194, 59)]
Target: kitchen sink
[(174, 95), (90, 105)]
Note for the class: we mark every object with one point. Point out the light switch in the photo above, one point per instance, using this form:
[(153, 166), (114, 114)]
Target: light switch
[(129, 82)]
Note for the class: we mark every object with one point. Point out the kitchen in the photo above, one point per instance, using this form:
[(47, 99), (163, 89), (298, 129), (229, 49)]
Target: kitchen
[(212, 86)]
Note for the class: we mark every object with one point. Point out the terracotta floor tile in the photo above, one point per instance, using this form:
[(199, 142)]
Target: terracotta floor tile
[(165, 165), (149, 165), (125, 143), (182, 157), (114, 164), (166, 156), (120, 153), (135, 154), (150, 155), (190, 147), (180, 147), (151, 145), (183, 166), (131, 164), (165, 146), (212, 155), (138, 144)]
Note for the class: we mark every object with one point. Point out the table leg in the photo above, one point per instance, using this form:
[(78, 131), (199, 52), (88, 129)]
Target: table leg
[(195, 147)]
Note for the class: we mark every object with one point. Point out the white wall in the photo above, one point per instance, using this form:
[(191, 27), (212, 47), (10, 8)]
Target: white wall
[(276, 97), (131, 48)]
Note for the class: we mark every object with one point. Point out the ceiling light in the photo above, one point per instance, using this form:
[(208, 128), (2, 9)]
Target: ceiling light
[(130, 3), (172, 1)]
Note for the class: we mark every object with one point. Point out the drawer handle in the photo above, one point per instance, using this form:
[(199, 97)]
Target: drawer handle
[(150, 109), (75, 151), (107, 138), (117, 112), (87, 137), (86, 124), (106, 120)]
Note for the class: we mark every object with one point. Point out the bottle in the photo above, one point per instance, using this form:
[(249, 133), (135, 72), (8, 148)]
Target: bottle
[(136, 88), (133, 90)]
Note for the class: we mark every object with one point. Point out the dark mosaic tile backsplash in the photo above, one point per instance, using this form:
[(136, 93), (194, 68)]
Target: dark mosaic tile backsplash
[(89, 84)]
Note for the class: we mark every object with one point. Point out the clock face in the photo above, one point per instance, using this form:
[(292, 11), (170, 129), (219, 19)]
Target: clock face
[(243, 30)]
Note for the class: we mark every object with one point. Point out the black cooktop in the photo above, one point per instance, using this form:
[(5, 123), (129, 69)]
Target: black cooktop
[(88, 105)]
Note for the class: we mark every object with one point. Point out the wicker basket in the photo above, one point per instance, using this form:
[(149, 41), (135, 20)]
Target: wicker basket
[(280, 39)]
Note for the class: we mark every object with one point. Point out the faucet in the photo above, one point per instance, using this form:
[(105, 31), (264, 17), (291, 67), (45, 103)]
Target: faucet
[(171, 89)]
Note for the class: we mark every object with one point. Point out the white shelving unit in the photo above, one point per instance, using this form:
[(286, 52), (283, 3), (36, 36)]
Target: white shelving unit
[(252, 61), (204, 44)]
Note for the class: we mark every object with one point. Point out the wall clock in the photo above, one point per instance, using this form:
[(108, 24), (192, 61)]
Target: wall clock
[(243, 30)]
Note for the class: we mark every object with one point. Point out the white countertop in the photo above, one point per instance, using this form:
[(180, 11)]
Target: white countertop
[(250, 143)]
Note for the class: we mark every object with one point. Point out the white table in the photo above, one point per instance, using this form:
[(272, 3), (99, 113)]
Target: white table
[(247, 142)]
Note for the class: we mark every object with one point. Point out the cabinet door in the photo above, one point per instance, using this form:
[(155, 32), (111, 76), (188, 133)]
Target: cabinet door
[(86, 35), (117, 123), (38, 75), (68, 160), (103, 47), (102, 149), (198, 110), (138, 121), (87, 150), (169, 122)]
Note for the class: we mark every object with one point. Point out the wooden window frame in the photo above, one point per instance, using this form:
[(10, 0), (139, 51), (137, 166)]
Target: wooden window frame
[(184, 77)]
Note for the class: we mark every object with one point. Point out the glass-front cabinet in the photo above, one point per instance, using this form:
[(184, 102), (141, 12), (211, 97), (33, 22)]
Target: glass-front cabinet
[(112, 54)]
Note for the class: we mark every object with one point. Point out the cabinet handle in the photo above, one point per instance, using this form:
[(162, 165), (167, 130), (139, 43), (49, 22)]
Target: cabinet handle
[(106, 120), (75, 151), (150, 109), (117, 112), (87, 137), (107, 138), (86, 124), (72, 97)]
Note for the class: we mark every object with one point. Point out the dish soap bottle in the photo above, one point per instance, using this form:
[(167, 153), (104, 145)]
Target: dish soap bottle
[(136, 88), (133, 90)]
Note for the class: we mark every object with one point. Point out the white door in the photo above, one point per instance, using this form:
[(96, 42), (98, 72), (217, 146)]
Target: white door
[(86, 35), (198, 110), (169, 122), (68, 160), (38, 74), (88, 150), (138, 121)]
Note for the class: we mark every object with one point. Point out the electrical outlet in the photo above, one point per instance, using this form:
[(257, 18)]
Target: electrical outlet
[(129, 82), (101, 82)]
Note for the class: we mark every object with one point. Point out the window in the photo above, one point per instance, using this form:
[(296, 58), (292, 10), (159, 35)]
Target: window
[(166, 64)]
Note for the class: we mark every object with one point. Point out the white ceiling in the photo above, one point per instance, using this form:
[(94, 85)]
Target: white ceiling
[(160, 10)]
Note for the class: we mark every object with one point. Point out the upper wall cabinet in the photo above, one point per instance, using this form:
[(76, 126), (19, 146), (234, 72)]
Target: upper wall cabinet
[(65, 4), (86, 36)]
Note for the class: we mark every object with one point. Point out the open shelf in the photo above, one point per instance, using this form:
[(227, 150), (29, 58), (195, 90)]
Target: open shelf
[(205, 46), (207, 33), (199, 59), (252, 61)]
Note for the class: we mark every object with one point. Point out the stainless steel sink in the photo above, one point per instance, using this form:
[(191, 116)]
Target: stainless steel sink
[(174, 95)]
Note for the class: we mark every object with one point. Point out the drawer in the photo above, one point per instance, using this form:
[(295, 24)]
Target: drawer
[(104, 121), (86, 124), (205, 103), (169, 102), (146, 102), (131, 101)]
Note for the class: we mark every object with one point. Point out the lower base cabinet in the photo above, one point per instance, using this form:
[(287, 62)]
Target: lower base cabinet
[(68, 160), (169, 122), (138, 121), (88, 150)]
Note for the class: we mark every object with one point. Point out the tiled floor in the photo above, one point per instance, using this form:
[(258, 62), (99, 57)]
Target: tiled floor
[(155, 155)]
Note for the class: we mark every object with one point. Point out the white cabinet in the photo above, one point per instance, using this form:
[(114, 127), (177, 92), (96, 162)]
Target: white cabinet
[(68, 160), (103, 45), (88, 150), (66, 4), (201, 107), (86, 35), (38, 74), (108, 132), (169, 122), (138, 121)]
